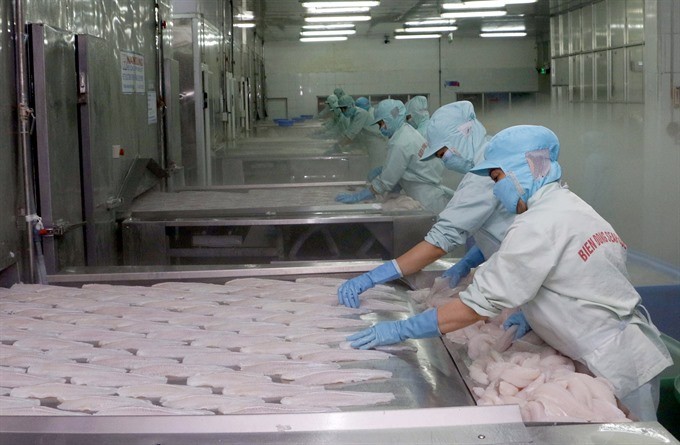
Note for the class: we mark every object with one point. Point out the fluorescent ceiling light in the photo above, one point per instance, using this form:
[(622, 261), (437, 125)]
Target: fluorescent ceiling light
[(474, 5), (337, 18), (469, 14), (340, 4), (502, 34), (431, 29), (333, 32), (335, 26), (518, 2), (338, 10), (501, 27), (417, 36), (244, 25), (429, 22), (323, 39), (246, 15)]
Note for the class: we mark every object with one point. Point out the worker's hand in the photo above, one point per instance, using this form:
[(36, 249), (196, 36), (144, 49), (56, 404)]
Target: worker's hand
[(389, 332), (348, 292), (517, 319), (462, 268), (374, 173), (351, 198)]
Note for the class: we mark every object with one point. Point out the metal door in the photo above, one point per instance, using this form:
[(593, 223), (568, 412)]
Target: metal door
[(55, 142)]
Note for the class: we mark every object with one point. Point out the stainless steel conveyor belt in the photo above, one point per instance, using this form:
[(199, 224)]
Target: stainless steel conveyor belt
[(432, 405), (261, 224)]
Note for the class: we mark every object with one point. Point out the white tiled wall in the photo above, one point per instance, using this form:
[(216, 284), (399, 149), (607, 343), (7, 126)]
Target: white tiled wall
[(303, 71)]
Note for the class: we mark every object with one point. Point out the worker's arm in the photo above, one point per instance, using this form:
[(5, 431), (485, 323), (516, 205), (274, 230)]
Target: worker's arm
[(419, 256), (456, 315), (431, 323)]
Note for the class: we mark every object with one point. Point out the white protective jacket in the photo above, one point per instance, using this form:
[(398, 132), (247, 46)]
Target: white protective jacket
[(564, 266), (473, 210), (421, 180)]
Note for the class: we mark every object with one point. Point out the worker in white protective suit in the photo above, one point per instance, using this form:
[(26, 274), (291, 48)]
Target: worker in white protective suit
[(358, 134), (563, 265), (403, 169), (335, 122), (417, 114), (457, 138)]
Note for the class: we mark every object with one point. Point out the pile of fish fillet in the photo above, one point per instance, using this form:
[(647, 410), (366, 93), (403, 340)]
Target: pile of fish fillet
[(526, 372), (246, 347)]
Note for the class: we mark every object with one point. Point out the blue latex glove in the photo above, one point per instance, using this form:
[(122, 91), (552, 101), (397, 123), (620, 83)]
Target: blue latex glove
[(374, 173), (520, 320), (423, 325), (351, 198), (348, 293), (458, 271)]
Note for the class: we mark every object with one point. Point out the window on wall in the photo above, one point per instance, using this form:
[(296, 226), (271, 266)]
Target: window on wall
[(597, 51)]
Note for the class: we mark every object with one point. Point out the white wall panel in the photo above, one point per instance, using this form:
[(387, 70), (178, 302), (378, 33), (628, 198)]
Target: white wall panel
[(369, 66)]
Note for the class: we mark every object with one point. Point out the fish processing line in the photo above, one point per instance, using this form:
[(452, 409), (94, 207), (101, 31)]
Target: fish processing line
[(432, 405), (260, 224)]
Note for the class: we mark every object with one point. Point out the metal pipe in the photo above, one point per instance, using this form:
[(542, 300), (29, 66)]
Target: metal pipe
[(23, 127)]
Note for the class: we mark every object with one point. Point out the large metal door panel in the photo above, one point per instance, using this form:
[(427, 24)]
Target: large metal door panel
[(54, 95), (99, 105)]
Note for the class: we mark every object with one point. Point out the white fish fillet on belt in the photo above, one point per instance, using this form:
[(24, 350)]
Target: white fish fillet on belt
[(211, 402), (342, 376), (60, 391), (339, 398), (268, 391), (341, 355), (282, 367), (221, 379), (157, 391), (92, 404)]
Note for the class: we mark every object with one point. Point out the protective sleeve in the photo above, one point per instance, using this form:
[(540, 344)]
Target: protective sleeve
[(395, 165), (472, 204), (356, 124), (514, 274)]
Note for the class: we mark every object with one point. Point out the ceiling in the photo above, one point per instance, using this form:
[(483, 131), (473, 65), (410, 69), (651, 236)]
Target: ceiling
[(282, 19)]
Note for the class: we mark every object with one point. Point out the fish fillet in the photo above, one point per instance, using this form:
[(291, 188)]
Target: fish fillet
[(342, 376), (156, 391), (60, 391), (16, 379), (115, 379), (331, 323), (230, 359), (38, 411), (276, 408), (92, 404), (150, 411), (9, 403), (179, 371), (268, 391), (131, 362), (283, 347), (219, 380), (211, 402), (283, 367), (338, 398), (340, 355)]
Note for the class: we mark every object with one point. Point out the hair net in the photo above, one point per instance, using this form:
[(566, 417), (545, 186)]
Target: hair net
[(527, 154), (363, 102), (345, 101), (417, 108), (456, 127), (332, 101), (392, 112), (339, 92)]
